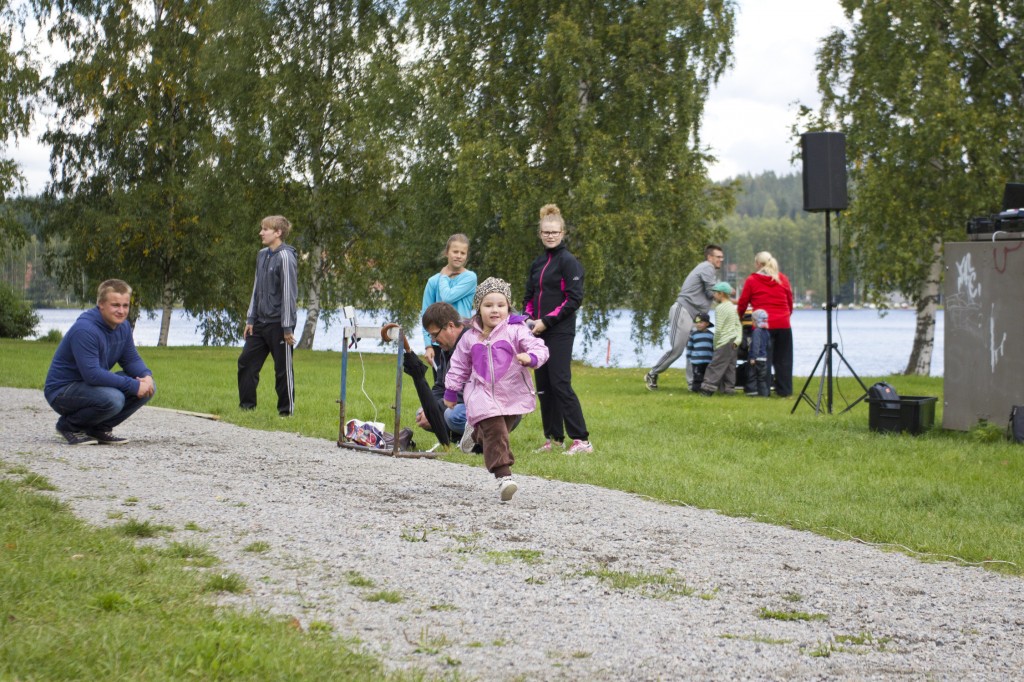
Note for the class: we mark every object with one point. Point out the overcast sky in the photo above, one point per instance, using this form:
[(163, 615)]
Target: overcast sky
[(748, 117), (749, 114)]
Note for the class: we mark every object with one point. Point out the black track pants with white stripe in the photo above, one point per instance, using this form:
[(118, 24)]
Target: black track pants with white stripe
[(266, 339)]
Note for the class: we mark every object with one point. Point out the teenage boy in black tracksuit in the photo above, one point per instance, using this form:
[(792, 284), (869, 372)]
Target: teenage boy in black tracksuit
[(270, 321)]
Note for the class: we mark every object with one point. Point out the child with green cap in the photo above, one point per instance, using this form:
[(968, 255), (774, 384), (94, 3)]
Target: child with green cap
[(721, 373)]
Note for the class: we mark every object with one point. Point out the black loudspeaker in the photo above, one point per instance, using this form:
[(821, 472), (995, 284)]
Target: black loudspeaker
[(824, 156), (1013, 196)]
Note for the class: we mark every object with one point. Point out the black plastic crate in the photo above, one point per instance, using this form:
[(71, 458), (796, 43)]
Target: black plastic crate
[(915, 414)]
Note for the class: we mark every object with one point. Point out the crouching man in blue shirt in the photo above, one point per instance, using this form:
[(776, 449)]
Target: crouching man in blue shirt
[(90, 399)]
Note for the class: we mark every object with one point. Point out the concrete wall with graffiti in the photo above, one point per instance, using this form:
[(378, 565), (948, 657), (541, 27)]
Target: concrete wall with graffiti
[(984, 356)]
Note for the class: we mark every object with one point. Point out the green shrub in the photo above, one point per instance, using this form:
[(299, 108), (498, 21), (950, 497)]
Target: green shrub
[(53, 336), (17, 320)]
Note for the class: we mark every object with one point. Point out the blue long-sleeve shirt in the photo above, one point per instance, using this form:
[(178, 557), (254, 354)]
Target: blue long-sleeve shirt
[(88, 352), (458, 290)]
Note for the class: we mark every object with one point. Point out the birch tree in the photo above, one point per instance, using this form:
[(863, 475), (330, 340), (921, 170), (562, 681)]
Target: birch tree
[(132, 121), (930, 96), (19, 88), (596, 106), (336, 120)]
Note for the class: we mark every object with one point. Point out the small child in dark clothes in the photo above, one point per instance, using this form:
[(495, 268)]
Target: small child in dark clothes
[(759, 353), (700, 348), (745, 373)]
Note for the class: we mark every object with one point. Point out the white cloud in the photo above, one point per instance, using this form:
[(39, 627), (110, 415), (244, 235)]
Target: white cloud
[(34, 161), (749, 115)]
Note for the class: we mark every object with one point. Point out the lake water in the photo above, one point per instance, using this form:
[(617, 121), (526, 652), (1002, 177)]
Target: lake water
[(873, 345)]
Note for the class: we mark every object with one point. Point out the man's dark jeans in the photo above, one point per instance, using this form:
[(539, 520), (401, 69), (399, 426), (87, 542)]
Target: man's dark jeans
[(93, 408)]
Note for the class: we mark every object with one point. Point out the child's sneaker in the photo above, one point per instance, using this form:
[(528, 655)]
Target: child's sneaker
[(652, 381), (579, 447), (467, 442), (506, 488), (548, 446)]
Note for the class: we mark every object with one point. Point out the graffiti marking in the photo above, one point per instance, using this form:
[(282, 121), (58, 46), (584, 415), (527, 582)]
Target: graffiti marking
[(995, 352), (967, 278)]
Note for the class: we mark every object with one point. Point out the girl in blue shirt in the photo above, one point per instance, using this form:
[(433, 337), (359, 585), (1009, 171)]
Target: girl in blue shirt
[(454, 284)]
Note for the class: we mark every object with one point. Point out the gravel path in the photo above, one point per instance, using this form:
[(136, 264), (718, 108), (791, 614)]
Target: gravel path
[(520, 590)]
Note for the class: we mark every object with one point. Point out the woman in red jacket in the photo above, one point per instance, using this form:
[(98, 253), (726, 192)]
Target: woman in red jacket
[(769, 290)]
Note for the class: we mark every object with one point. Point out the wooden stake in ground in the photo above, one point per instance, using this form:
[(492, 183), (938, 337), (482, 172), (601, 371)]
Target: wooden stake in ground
[(203, 415)]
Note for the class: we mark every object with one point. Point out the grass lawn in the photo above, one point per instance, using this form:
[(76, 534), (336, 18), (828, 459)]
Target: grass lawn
[(79, 603), (941, 494)]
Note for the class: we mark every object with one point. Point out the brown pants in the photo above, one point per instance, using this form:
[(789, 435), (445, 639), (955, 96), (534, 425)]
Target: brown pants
[(493, 434)]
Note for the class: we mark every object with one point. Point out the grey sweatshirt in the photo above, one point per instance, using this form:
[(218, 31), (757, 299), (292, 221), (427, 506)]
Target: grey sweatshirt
[(695, 294)]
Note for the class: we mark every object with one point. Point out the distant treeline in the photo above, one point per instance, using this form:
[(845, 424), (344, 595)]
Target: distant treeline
[(770, 196)]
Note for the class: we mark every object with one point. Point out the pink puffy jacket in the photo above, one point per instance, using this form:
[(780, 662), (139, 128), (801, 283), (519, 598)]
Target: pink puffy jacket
[(493, 383)]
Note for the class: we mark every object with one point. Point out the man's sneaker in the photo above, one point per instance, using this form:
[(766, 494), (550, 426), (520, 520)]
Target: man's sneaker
[(76, 437), (467, 442), (579, 447), (549, 446), (106, 438), (506, 488), (652, 381)]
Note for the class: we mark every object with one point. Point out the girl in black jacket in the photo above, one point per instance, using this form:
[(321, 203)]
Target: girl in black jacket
[(554, 290)]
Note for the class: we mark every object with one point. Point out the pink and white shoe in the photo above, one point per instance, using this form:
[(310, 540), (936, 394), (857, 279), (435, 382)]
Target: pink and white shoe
[(548, 446), (579, 447)]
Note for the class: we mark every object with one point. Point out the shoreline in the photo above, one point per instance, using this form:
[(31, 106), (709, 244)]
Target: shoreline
[(859, 333)]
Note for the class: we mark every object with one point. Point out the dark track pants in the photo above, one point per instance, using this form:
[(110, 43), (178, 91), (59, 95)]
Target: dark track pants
[(780, 357), (558, 402), (266, 339)]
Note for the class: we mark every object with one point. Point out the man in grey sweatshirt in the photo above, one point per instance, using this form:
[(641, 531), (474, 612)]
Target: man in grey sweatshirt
[(270, 321), (695, 296)]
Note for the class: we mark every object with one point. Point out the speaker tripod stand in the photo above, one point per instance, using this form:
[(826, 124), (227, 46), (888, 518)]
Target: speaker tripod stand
[(826, 369), (830, 348)]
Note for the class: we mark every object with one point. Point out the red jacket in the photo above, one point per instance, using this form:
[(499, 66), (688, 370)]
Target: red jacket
[(775, 298)]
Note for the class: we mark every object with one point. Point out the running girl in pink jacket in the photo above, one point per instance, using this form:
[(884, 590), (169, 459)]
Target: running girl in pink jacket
[(490, 366)]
